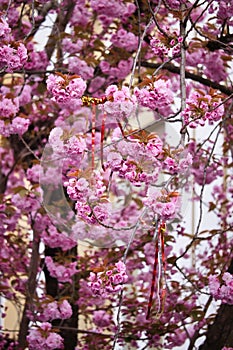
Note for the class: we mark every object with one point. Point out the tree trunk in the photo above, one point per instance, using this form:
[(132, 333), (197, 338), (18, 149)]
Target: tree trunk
[(68, 328), (31, 288), (220, 333)]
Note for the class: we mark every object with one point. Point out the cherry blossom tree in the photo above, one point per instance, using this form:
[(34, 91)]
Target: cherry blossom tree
[(97, 251)]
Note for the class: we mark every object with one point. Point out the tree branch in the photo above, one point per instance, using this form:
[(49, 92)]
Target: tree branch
[(195, 77), (42, 13), (59, 26)]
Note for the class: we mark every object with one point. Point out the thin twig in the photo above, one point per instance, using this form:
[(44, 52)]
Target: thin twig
[(182, 69), (140, 45), (201, 199), (28, 147), (138, 52), (155, 20), (8, 8)]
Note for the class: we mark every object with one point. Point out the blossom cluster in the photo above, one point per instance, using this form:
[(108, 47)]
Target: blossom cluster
[(202, 108), (6, 343), (125, 40), (164, 204), (211, 60), (66, 89), (37, 60), (63, 273), (208, 61), (101, 318), (223, 199), (222, 290), (119, 71), (18, 126), (138, 159), (81, 15), (157, 96), (163, 47), (202, 173), (80, 67), (128, 160), (224, 11), (44, 338), (109, 280), (122, 179), (11, 121), (120, 103), (13, 55), (72, 47), (55, 310), (113, 10), (55, 239), (178, 164), (9, 104), (87, 195)]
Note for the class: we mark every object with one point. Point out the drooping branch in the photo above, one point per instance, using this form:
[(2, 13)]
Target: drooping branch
[(195, 77), (42, 13), (182, 66), (59, 26), (183, 63)]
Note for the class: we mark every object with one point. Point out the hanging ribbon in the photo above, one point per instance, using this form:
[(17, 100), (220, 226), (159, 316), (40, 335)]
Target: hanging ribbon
[(158, 275), (93, 102), (93, 136), (102, 140)]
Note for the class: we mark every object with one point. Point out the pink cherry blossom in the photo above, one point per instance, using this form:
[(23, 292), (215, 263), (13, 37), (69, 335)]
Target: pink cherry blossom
[(109, 281), (101, 318), (62, 273), (125, 40), (64, 91), (222, 291), (157, 96), (43, 337)]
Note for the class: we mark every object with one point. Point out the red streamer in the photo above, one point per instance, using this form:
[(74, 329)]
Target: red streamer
[(93, 136), (158, 273), (102, 141)]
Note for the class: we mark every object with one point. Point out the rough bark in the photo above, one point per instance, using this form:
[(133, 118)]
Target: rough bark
[(31, 288), (220, 333), (68, 329)]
